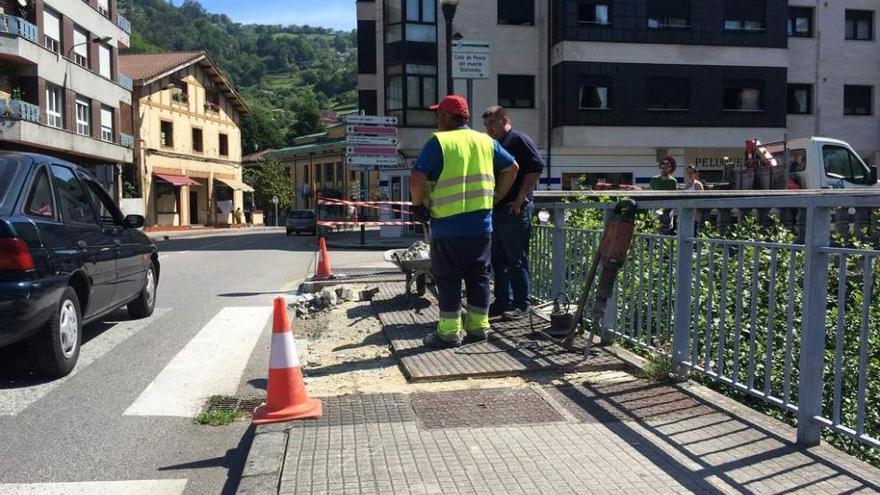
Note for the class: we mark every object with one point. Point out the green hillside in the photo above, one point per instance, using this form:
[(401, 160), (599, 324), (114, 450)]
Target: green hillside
[(286, 73)]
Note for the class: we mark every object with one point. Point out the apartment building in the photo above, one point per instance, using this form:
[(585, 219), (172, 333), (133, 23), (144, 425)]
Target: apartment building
[(61, 91), (188, 145), (606, 87)]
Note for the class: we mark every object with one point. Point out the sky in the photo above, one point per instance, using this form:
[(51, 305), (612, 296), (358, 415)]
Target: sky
[(336, 14)]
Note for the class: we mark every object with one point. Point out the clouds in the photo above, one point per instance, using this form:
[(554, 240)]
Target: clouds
[(336, 14)]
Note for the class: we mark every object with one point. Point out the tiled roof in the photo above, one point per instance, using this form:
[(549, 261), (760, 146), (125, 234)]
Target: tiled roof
[(143, 67)]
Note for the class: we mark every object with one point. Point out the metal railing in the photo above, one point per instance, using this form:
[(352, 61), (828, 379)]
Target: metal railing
[(126, 140), (123, 23), (124, 81), (18, 109), (795, 324), (14, 25)]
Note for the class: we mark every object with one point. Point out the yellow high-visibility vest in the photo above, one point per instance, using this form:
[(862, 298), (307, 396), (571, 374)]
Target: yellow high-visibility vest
[(467, 181)]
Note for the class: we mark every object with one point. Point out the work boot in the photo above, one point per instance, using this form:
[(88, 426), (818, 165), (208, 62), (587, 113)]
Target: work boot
[(496, 309), (476, 324), (516, 314), (474, 336), (448, 332)]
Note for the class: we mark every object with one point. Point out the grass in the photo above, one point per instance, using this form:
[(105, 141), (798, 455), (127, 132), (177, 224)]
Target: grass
[(217, 418), (659, 368)]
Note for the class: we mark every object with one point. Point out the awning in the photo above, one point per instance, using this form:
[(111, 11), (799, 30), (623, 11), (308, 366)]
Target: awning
[(236, 184), (177, 180)]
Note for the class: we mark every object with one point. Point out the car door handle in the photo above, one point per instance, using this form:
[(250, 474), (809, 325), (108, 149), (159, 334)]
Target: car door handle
[(81, 244), (117, 242)]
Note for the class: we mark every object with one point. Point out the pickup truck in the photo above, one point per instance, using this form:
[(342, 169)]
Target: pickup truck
[(815, 163)]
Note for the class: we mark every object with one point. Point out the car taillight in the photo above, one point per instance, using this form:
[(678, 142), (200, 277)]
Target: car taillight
[(14, 256)]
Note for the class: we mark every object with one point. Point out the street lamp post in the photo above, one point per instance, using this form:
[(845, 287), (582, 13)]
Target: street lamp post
[(103, 39), (449, 7)]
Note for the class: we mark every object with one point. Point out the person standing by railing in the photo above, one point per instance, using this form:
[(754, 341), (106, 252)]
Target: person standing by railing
[(665, 182)]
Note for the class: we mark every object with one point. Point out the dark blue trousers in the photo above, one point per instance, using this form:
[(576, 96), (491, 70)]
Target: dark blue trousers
[(510, 256), (461, 258)]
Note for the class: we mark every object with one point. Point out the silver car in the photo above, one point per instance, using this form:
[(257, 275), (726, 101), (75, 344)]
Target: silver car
[(301, 221)]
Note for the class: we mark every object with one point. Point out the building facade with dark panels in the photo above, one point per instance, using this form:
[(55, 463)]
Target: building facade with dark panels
[(606, 87)]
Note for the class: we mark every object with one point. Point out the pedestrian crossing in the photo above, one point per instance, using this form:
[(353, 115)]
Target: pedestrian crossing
[(128, 487)]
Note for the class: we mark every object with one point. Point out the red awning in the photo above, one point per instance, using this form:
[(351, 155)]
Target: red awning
[(177, 180)]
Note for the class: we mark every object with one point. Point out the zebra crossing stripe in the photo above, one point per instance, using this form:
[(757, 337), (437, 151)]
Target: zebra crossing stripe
[(128, 487)]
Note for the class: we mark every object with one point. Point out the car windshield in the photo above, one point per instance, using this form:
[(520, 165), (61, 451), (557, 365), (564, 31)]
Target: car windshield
[(9, 168), (302, 214)]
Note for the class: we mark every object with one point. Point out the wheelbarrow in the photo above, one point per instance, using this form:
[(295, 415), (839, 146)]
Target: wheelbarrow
[(416, 271)]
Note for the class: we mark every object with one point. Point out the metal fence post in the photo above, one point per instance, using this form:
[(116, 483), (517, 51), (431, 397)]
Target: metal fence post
[(610, 316), (817, 236), (558, 259), (683, 284)]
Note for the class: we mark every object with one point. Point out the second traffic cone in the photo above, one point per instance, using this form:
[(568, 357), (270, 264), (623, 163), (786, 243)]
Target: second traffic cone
[(286, 396), (323, 269)]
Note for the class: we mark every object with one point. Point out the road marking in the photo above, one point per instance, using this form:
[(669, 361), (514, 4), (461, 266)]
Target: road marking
[(15, 400), (132, 487), (211, 364)]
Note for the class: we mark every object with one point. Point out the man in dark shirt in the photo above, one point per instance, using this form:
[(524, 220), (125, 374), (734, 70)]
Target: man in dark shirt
[(512, 218)]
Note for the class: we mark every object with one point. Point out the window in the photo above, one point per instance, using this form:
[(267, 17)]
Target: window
[(840, 163), (197, 140), (328, 173), (860, 25), (800, 22), (797, 159), (166, 134), (52, 31), (800, 99), (857, 100), (593, 97), (40, 202), (743, 96), (83, 116), (107, 124), (179, 91), (104, 61), (745, 15), (516, 91), (669, 14), (516, 12), (394, 93), (340, 176), (104, 7), (80, 47), (421, 17), (668, 93), (318, 177), (108, 213), (421, 86), (54, 107), (595, 12), (212, 101), (75, 205), (224, 145)]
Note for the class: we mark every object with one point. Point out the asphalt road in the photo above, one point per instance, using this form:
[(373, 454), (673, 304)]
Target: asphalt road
[(123, 421)]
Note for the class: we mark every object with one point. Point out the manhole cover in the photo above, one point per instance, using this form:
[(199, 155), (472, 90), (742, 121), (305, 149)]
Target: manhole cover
[(244, 405), (482, 408)]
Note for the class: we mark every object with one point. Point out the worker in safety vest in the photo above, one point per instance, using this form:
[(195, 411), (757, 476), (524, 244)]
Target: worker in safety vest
[(453, 183)]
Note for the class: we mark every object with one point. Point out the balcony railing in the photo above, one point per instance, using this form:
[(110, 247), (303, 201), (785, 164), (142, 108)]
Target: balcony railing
[(126, 140), (18, 109), (125, 81), (123, 23), (11, 24)]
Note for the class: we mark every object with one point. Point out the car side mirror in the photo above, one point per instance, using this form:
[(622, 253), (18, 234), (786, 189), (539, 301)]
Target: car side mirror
[(133, 221), (873, 177)]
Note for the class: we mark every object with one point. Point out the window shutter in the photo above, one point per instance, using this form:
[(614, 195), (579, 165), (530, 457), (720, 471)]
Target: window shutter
[(104, 61), (51, 25), (80, 41)]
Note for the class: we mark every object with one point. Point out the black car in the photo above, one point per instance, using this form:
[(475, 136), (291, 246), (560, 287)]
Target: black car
[(67, 257)]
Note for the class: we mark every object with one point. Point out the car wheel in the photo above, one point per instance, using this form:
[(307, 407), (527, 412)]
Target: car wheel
[(145, 303), (56, 346)]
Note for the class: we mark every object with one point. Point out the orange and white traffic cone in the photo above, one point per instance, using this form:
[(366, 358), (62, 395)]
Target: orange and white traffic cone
[(323, 271), (286, 397)]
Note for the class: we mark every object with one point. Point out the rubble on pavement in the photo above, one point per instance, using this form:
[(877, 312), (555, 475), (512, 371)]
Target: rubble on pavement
[(306, 305), (418, 251)]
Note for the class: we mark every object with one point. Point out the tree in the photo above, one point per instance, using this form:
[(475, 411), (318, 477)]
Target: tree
[(271, 179)]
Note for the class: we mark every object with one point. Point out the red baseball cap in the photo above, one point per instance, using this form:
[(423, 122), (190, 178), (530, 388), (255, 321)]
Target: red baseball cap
[(454, 104)]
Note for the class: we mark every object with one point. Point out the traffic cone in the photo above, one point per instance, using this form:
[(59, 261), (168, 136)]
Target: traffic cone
[(323, 271), (286, 397)]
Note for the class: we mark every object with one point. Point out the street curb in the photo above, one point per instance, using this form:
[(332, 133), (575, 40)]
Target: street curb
[(189, 234), (366, 247)]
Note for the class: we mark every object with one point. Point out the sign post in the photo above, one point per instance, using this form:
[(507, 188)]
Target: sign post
[(275, 202), (470, 60)]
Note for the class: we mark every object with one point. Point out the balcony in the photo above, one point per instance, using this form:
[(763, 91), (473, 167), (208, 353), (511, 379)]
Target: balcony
[(17, 26), (125, 81), (17, 109), (126, 140), (123, 23)]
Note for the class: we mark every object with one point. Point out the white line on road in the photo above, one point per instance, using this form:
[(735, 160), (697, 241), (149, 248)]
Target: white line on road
[(211, 364), (15, 400), (132, 487)]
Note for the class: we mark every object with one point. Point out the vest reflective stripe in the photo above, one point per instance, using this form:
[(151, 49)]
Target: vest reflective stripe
[(467, 181)]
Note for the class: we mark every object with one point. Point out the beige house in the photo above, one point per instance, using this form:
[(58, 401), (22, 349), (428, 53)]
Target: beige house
[(188, 141)]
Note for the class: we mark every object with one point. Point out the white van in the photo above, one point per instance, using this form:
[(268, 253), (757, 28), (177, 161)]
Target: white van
[(825, 163)]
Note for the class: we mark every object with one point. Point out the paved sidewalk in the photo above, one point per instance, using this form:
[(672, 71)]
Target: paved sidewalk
[(630, 436), (209, 232)]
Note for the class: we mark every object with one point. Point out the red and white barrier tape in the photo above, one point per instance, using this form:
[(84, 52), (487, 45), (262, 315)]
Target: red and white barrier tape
[(330, 223), (333, 201)]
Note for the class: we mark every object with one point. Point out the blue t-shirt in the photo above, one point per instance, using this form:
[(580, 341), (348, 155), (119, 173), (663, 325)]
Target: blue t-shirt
[(430, 163)]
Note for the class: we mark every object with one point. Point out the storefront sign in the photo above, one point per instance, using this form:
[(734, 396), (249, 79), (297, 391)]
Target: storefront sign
[(711, 158)]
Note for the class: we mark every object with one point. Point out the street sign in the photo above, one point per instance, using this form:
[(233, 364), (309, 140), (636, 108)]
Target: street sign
[(470, 59), (371, 120), (371, 150), (380, 160), (371, 130), (355, 139)]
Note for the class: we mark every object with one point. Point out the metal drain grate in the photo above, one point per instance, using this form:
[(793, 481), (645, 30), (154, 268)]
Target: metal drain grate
[(244, 405)]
